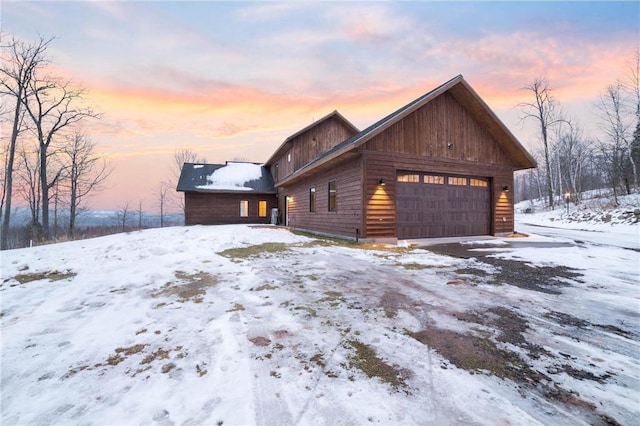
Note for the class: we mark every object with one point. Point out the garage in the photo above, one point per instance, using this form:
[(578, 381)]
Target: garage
[(440, 205)]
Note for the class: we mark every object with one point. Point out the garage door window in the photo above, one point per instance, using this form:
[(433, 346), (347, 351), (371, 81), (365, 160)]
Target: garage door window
[(457, 181), (434, 180), (409, 177), (478, 182)]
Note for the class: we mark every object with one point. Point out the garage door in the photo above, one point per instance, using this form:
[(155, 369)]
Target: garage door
[(431, 205)]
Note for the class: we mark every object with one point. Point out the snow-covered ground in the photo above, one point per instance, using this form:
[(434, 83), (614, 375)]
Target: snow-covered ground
[(255, 325), (594, 220)]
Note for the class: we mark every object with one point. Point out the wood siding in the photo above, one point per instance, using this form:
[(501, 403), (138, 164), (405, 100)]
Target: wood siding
[(440, 137), (310, 145), (348, 216), (224, 208), (441, 129)]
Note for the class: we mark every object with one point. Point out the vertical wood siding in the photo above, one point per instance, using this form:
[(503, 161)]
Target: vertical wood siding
[(440, 137), (311, 144), (224, 208)]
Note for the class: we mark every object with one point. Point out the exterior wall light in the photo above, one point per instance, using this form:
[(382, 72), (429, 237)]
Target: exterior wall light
[(381, 182), (505, 188)]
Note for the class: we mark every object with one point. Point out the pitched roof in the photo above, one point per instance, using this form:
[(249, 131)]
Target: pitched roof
[(287, 142), (232, 176), (463, 92)]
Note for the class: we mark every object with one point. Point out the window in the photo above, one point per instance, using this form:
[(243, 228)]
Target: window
[(312, 199), (262, 208), (332, 196), (275, 172), (409, 177), (289, 157), (244, 208), (478, 182), (457, 181), (433, 179)]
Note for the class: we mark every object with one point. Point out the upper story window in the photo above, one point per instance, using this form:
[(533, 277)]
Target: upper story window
[(333, 192), (275, 172), (289, 157), (312, 199)]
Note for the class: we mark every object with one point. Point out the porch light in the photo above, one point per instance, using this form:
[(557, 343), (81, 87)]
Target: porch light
[(381, 182), (505, 188)]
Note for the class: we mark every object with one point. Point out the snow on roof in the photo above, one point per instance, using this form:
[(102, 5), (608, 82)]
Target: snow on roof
[(233, 176)]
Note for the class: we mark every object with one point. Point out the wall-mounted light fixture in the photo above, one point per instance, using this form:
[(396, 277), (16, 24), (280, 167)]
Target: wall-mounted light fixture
[(381, 182), (450, 145), (505, 188)]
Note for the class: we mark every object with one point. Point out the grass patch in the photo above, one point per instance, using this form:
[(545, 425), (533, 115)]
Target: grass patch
[(189, 287), (414, 266), (477, 354), (333, 298), (264, 287), (252, 251), (312, 312), (237, 307), (366, 360), (47, 275)]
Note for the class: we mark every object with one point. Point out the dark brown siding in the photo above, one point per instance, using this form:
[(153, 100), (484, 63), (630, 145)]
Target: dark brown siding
[(224, 208), (348, 216), (440, 137), (311, 144)]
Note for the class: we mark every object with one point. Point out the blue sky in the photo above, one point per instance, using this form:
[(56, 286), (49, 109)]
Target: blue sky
[(234, 79)]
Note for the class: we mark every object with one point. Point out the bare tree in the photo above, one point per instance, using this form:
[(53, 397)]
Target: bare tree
[(121, 216), (179, 159), (20, 62), (616, 127), (139, 211), (162, 199), (85, 172), (28, 182), (545, 111), (53, 108)]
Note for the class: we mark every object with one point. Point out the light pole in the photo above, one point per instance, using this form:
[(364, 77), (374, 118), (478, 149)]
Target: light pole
[(567, 198)]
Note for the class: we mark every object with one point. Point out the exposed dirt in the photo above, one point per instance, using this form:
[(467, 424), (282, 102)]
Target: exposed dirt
[(545, 279)]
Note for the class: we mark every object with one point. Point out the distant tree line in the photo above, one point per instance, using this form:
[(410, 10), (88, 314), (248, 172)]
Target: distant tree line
[(570, 162), (48, 161)]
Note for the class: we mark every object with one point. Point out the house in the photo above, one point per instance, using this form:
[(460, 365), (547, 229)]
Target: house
[(234, 192), (440, 166)]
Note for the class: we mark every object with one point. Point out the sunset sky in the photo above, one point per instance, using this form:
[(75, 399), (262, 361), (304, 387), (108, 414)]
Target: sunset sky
[(231, 80)]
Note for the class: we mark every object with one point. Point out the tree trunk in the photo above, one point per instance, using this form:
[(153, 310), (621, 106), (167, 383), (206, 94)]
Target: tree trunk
[(46, 232), (6, 222)]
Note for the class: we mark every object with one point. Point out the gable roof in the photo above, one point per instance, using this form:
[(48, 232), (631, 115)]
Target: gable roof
[(462, 91), (233, 176), (287, 142)]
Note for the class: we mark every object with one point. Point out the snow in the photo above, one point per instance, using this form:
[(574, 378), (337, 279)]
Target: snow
[(198, 166), (593, 220), (161, 327), (233, 176)]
